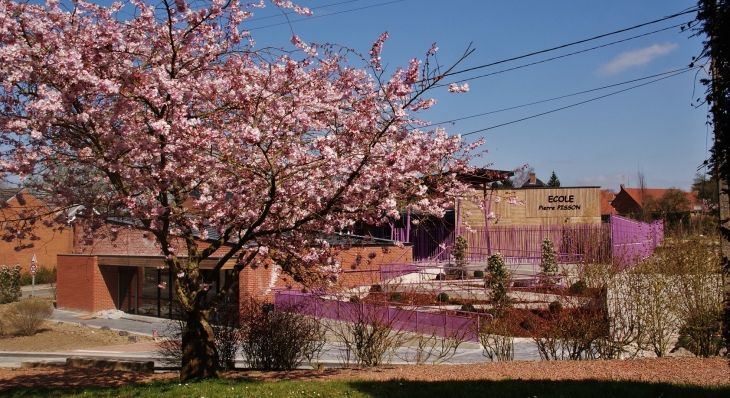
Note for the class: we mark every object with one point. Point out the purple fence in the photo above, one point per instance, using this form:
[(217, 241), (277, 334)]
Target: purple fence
[(620, 239), (633, 240), (408, 320)]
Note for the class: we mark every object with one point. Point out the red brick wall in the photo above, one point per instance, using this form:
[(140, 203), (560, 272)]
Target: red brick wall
[(124, 240), (366, 272), (50, 242), (83, 285)]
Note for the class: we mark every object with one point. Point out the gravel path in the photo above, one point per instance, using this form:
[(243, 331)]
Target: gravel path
[(674, 370)]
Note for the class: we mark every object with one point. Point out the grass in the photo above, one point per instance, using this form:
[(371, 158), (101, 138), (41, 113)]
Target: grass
[(375, 389)]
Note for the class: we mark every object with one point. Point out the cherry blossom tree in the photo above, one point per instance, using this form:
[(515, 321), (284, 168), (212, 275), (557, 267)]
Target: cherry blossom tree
[(208, 143)]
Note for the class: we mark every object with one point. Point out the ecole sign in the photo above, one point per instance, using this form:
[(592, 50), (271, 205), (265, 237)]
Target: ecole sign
[(560, 199)]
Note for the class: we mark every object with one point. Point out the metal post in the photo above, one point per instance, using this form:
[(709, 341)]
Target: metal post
[(159, 292)]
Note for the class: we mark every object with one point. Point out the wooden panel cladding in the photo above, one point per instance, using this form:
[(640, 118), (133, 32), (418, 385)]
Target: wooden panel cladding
[(568, 202), (546, 206)]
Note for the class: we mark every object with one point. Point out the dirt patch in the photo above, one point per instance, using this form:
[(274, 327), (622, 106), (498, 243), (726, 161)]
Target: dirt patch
[(671, 370), (64, 337)]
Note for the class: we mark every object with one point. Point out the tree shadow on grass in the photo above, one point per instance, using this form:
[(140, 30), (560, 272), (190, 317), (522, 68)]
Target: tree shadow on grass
[(533, 388)]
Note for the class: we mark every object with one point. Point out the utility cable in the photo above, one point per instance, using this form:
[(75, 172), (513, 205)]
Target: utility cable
[(562, 96), (561, 56), (327, 15), (576, 104), (254, 19), (573, 43)]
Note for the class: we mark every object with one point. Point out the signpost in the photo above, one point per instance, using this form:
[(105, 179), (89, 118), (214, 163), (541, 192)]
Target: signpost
[(33, 270)]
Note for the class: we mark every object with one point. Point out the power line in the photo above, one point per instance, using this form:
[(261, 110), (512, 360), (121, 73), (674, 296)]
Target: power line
[(573, 43), (328, 15), (562, 56), (575, 104), (294, 13), (563, 96)]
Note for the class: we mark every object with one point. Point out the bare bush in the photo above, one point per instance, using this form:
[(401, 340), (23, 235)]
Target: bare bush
[(497, 340), (368, 333), (29, 315), (436, 344), (226, 324), (278, 339)]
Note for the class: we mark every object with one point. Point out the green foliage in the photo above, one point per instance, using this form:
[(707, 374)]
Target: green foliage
[(468, 307), (479, 274), (706, 189), (9, 284), (376, 289), (554, 182), (579, 287), (498, 281), (549, 264), (555, 307), (459, 251), (396, 296), (700, 335), (442, 297), (43, 276), (28, 315)]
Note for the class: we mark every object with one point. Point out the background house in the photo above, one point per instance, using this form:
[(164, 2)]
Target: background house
[(27, 230), (654, 201)]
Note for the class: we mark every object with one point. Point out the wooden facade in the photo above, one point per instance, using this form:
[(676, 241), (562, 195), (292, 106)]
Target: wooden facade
[(534, 206)]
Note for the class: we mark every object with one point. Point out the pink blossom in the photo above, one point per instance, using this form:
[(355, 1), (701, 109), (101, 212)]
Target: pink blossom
[(455, 88), (376, 49)]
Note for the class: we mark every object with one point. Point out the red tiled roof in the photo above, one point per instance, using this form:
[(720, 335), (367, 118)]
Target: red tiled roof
[(606, 199), (656, 194)]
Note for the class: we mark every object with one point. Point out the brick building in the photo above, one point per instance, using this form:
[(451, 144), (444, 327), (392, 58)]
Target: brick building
[(122, 268), (21, 239), (638, 200)]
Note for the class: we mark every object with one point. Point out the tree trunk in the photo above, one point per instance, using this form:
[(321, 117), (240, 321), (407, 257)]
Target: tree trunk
[(199, 355)]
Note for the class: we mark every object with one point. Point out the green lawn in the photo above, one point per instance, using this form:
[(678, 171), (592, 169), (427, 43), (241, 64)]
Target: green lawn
[(358, 388)]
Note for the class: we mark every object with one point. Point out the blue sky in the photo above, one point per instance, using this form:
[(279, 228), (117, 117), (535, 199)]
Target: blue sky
[(653, 129)]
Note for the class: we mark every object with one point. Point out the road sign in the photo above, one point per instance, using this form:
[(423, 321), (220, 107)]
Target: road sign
[(33, 265)]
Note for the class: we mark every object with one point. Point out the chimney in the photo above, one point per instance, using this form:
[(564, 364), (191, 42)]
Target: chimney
[(622, 187), (533, 179)]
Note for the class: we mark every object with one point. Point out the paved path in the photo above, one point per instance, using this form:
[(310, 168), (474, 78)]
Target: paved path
[(39, 291), (331, 357)]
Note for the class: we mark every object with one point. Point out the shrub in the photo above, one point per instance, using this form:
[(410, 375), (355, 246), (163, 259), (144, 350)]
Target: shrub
[(354, 299), (479, 274), (700, 335), (520, 284), (278, 340), (9, 284), (28, 315), (226, 324), (579, 287), (44, 275), (441, 277), (549, 264), (468, 307), (459, 251), (442, 297), (376, 289), (555, 307), (396, 296), (498, 281)]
